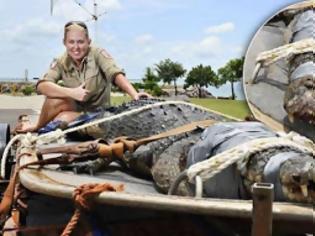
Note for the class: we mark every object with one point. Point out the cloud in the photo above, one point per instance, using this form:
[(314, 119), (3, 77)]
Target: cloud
[(109, 5), (147, 50), (32, 30), (239, 49), (222, 28), (157, 4), (105, 37), (208, 47), (144, 39)]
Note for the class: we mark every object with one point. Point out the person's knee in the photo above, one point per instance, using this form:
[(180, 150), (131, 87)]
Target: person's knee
[(61, 104)]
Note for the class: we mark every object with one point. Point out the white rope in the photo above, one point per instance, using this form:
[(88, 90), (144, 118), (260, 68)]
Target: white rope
[(27, 140), (6, 153), (241, 153), (286, 51), (301, 6), (59, 135), (297, 138), (32, 140), (54, 136), (137, 110)]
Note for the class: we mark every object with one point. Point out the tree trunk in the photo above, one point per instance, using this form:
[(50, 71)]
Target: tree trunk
[(175, 87), (232, 89), (199, 91)]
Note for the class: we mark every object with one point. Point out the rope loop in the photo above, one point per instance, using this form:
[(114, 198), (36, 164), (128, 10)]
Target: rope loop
[(241, 154), (83, 196), (55, 136)]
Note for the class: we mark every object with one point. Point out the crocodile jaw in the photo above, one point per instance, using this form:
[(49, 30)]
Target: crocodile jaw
[(297, 177)]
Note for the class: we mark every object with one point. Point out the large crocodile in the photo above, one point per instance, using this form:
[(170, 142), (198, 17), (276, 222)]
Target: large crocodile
[(143, 118), (164, 159)]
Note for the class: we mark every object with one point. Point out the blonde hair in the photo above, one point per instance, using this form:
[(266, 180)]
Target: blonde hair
[(77, 25)]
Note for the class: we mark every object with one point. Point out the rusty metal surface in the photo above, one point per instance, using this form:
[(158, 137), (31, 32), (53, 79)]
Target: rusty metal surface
[(263, 194)]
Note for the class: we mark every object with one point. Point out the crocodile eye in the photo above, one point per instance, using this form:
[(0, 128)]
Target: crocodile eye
[(296, 178)]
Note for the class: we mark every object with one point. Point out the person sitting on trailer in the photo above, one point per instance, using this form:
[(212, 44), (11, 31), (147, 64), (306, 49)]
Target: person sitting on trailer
[(78, 81)]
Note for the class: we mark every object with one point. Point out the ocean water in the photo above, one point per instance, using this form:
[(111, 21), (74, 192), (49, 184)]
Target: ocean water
[(16, 80), (225, 91)]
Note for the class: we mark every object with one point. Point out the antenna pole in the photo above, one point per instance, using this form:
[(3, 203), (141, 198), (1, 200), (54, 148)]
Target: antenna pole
[(94, 15), (51, 7), (95, 18)]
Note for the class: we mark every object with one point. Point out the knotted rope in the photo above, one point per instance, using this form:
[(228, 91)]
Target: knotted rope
[(241, 154), (266, 58), (83, 196), (286, 51)]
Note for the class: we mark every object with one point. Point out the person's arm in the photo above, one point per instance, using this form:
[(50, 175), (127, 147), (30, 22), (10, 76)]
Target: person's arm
[(115, 75), (121, 81), (50, 89), (48, 86)]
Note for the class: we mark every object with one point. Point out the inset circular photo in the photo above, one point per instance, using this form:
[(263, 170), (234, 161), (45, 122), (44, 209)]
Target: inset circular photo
[(279, 70)]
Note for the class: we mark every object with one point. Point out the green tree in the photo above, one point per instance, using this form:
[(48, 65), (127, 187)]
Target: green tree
[(150, 82), (28, 89), (231, 72), (150, 79), (136, 85), (201, 76), (170, 71)]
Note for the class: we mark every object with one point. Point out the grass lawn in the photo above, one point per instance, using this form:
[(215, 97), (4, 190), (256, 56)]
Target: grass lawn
[(117, 100), (235, 108)]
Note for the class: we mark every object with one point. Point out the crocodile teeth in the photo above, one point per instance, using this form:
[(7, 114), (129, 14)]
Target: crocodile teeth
[(304, 190), (291, 118)]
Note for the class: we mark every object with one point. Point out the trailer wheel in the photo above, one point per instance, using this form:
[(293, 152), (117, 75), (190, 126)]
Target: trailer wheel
[(4, 139)]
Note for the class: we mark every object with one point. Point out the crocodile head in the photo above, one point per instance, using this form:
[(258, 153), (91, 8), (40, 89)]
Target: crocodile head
[(297, 177), (299, 100)]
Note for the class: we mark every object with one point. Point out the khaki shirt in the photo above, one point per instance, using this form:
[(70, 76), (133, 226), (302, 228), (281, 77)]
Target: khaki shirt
[(98, 71)]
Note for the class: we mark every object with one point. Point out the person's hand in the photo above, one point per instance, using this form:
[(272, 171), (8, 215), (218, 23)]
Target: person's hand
[(79, 93), (142, 95)]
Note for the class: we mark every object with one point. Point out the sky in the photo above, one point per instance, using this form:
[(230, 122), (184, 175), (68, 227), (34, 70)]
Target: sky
[(137, 33)]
